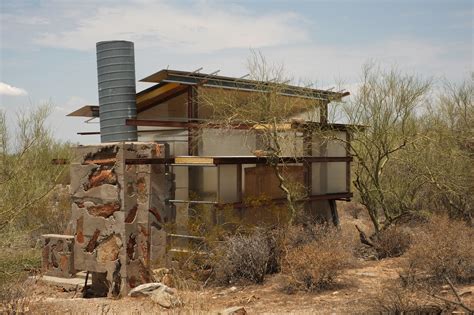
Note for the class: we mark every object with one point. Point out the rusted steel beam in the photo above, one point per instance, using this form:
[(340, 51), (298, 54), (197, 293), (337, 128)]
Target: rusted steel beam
[(265, 160), (101, 161), (312, 126), (348, 164), (336, 196), (88, 133), (143, 161), (181, 124)]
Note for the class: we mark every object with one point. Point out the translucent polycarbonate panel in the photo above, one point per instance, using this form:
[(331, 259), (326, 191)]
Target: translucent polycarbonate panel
[(168, 136), (227, 181), (207, 185), (328, 178), (312, 114), (336, 177), (326, 145), (244, 166), (337, 147), (181, 176), (291, 143), (319, 175), (203, 183), (216, 142)]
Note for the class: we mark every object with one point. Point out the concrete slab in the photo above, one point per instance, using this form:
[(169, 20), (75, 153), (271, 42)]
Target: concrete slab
[(66, 283)]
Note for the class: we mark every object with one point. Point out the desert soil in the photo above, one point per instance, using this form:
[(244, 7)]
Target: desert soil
[(356, 291)]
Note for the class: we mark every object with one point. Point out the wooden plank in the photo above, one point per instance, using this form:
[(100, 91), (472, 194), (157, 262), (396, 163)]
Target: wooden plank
[(193, 160), (86, 111), (166, 96), (157, 92)]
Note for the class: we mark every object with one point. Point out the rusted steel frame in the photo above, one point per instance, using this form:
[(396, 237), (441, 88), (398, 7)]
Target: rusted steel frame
[(90, 133), (199, 238), (264, 160), (348, 163), (302, 126), (192, 113), (182, 124), (217, 161), (142, 161), (336, 196), (203, 202), (308, 166)]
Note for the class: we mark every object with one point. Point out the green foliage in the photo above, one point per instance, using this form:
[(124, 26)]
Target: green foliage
[(27, 174), (416, 152), (31, 203), (386, 104)]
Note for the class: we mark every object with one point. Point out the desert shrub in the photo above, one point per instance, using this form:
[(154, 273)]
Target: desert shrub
[(394, 241), (243, 257), (397, 299), (313, 257), (442, 248)]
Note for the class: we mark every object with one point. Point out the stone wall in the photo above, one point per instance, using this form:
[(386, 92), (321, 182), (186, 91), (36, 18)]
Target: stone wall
[(58, 256), (117, 214)]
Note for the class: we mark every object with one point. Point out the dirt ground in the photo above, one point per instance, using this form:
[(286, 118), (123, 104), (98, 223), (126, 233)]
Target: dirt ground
[(355, 292)]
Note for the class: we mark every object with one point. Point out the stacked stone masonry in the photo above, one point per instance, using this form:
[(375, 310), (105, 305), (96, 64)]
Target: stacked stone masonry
[(57, 254), (118, 212)]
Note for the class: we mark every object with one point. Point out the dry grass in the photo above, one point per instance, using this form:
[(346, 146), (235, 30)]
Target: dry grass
[(355, 210), (442, 248), (313, 257), (15, 297)]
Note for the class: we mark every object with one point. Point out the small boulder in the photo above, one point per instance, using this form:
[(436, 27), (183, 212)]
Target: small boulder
[(235, 310), (166, 297), (145, 289)]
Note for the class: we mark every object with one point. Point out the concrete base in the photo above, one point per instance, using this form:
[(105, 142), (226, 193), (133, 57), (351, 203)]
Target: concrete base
[(65, 283)]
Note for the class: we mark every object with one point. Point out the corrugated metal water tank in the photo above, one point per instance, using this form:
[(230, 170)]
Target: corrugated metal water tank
[(117, 93)]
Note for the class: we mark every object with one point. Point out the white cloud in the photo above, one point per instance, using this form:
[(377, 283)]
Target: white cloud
[(201, 27), (9, 90)]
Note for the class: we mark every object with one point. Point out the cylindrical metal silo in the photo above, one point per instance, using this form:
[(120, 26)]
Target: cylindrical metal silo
[(117, 94)]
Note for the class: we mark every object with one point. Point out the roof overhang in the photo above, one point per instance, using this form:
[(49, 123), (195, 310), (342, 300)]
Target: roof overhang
[(209, 80), (172, 83), (86, 111)]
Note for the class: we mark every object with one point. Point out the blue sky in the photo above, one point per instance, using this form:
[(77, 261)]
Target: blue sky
[(47, 47)]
